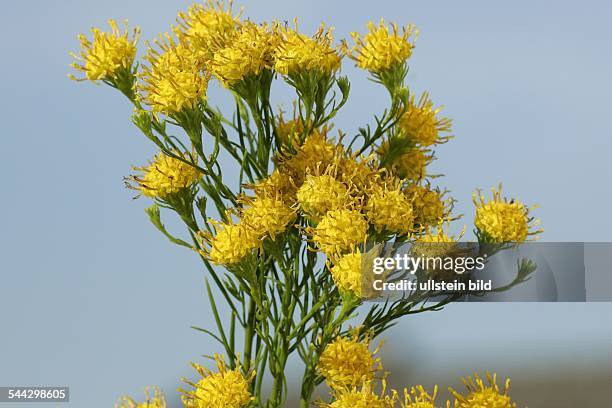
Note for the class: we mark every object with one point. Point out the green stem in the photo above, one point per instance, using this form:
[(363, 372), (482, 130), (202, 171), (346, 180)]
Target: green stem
[(248, 339)]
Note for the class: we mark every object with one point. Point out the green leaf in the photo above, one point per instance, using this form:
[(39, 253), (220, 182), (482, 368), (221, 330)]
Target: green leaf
[(154, 216)]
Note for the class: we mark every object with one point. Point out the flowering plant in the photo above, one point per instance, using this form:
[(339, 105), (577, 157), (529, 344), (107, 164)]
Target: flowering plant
[(287, 244)]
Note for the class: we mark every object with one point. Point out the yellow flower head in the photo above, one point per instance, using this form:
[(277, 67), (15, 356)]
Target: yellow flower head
[(428, 205), (299, 53), (173, 80), (248, 54), (154, 398), (347, 362), (389, 209), (347, 273), (166, 176), (278, 184), (418, 397), (231, 244), (409, 165), (320, 194), (267, 216), (502, 220), (436, 242), (339, 231), (207, 27), (382, 48), (361, 397), (356, 171), (483, 394), (315, 154), (222, 389), (289, 131), (352, 272), (439, 235), (421, 123), (439, 243), (107, 54)]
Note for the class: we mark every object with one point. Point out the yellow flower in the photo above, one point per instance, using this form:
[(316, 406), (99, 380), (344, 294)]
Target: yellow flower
[(173, 80), (352, 272), (222, 389), (166, 176), (319, 194), (380, 48), (347, 273), (250, 53), (339, 230), (440, 243), (231, 244), (440, 235), (408, 165), (288, 131), (154, 400), (357, 171), (436, 242), (412, 164), (428, 206), (107, 54), (501, 220), (418, 397), (421, 124), (278, 184), (299, 53), (315, 154), (347, 362), (207, 28), (481, 394), (389, 209), (267, 216), (361, 397)]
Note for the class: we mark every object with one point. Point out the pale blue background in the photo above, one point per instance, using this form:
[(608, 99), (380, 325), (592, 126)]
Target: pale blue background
[(92, 297)]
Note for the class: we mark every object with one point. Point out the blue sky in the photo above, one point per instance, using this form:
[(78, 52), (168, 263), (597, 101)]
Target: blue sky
[(94, 298)]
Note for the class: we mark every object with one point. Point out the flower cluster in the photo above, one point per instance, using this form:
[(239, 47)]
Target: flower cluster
[(421, 124), (348, 272), (267, 216), (418, 397), (250, 52), (388, 209), (315, 154), (364, 396), (172, 81), (260, 218), (231, 244), (439, 242), (166, 176), (407, 161), (298, 53), (109, 53), (348, 362), (429, 205), (340, 231), (288, 131), (381, 49), (483, 394), (320, 194), (502, 220), (343, 200), (206, 28), (310, 211), (349, 369), (225, 388), (154, 398)]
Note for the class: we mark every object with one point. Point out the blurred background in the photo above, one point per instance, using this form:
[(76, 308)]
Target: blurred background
[(94, 298)]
